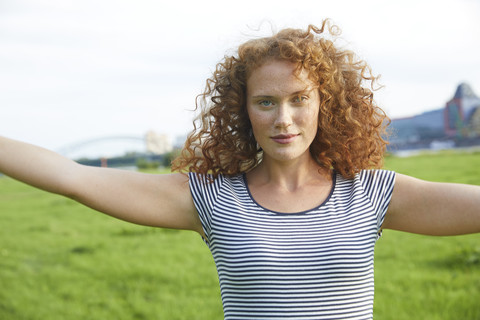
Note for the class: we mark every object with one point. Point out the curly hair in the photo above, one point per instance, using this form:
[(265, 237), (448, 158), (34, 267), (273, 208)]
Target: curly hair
[(351, 127)]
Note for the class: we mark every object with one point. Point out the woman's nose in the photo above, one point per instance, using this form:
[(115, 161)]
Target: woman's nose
[(283, 117)]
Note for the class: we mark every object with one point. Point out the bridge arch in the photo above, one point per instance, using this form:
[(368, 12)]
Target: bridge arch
[(106, 147)]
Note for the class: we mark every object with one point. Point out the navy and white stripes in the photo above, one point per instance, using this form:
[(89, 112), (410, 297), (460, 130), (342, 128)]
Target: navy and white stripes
[(316, 264)]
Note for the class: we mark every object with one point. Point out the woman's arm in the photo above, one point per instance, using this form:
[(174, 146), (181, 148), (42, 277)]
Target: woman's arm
[(433, 208), (153, 200)]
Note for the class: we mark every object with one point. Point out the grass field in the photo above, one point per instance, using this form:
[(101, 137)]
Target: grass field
[(59, 260), (421, 277)]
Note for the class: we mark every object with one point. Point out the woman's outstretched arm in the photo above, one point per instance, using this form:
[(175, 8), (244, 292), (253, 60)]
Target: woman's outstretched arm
[(433, 208), (146, 199)]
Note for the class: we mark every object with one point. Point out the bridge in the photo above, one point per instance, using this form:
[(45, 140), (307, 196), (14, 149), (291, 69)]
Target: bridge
[(118, 145)]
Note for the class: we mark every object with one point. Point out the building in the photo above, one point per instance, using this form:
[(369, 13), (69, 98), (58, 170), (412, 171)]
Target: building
[(157, 143), (458, 121), (461, 113), (417, 131)]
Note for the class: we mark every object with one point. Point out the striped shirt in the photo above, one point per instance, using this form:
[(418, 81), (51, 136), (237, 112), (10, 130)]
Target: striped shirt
[(316, 264)]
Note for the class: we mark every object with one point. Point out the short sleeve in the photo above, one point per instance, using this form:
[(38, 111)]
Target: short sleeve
[(378, 186), (204, 189)]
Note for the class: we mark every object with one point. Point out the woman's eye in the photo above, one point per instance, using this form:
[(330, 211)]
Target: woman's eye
[(300, 99), (265, 103)]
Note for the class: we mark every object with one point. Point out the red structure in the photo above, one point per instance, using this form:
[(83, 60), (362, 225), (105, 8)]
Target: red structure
[(459, 110)]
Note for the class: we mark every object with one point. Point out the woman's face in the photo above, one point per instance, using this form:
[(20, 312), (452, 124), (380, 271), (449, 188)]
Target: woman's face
[(283, 109)]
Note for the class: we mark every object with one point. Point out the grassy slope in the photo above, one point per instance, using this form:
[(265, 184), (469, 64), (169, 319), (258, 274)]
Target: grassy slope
[(420, 277), (59, 260)]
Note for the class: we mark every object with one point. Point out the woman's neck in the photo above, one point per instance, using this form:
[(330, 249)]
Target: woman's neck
[(289, 175)]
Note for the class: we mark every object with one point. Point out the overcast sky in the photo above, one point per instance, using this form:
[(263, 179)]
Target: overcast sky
[(75, 70)]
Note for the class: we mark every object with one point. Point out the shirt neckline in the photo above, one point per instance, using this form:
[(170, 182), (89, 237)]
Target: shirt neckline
[(332, 189)]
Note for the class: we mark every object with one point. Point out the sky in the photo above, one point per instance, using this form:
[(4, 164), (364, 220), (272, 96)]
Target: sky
[(71, 71)]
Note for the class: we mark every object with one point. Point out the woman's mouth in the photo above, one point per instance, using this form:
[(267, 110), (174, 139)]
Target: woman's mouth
[(284, 138)]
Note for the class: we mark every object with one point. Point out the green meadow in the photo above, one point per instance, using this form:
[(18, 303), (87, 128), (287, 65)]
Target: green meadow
[(60, 260)]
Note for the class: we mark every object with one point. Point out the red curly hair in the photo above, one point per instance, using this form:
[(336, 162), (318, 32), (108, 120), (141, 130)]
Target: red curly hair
[(351, 127)]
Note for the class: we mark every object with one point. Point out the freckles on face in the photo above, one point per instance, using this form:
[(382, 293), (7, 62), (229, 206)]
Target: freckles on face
[(276, 90), (283, 108)]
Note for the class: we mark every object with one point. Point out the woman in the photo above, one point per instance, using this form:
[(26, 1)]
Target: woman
[(278, 185)]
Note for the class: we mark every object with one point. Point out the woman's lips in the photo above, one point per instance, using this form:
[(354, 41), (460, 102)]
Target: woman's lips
[(284, 138)]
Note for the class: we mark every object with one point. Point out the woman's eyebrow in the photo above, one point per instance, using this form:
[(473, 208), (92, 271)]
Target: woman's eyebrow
[(296, 93), (261, 96)]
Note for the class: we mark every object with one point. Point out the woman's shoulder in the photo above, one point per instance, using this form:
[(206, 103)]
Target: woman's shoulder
[(371, 174), (209, 177), (214, 183), (370, 180)]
